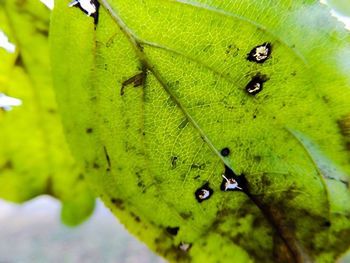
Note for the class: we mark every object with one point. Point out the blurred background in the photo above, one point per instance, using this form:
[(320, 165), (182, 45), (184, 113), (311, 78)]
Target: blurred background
[(32, 232)]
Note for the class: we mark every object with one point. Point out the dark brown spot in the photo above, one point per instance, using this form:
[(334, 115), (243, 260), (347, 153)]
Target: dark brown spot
[(19, 61), (172, 230), (107, 158), (137, 80), (42, 31), (173, 161), (225, 152), (137, 218), (118, 203), (344, 125), (200, 166), (186, 216), (327, 224), (8, 165), (89, 130)]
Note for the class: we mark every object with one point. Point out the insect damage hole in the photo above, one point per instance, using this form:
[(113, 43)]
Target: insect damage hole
[(231, 181), (89, 7), (203, 193), (256, 84), (260, 54), (185, 246)]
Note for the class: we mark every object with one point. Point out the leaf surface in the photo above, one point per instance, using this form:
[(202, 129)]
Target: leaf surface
[(35, 158), (163, 86)]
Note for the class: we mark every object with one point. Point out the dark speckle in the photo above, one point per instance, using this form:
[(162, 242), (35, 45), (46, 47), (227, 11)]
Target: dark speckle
[(108, 159), (198, 166), (257, 158), (172, 230), (186, 216), (19, 61), (51, 111), (225, 152), (327, 224), (118, 203), (173, 161), (325, 99), (347, 146), (137, 218), (344, 125), (8, 165), (42, 31), (89, 130)]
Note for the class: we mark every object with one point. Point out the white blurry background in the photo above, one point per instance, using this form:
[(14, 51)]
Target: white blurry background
[(33, 233)]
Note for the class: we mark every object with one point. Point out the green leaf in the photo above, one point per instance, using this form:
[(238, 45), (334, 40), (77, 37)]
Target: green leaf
[(162, 88), (34, 157)]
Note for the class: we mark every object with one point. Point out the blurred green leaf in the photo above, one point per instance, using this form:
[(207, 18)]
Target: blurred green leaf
[(34, 157), (154, 94)]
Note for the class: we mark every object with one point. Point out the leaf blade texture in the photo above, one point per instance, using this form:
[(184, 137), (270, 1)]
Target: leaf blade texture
[(180, 94)]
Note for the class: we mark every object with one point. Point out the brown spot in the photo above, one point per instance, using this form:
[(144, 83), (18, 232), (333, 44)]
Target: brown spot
[(172, 230), (42, 31), (8, 165), (108, 159), (19, 61), (119, 203), (137, 80), (186, 216), (344, 125), (137, 218), (51, 111), (173, 161)]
